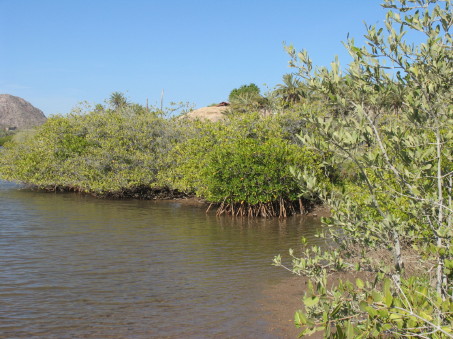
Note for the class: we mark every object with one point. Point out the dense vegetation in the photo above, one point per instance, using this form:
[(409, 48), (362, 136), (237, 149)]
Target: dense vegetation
[(102, 152), (5, 137), (238, 163), (247, 98), (373, 142), (391, 134), (241, 165)]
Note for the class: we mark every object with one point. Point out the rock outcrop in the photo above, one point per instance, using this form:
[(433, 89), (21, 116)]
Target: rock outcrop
[(17, 113), (213, 113)]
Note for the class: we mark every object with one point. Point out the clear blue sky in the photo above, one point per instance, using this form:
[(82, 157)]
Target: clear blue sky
[(57, 53)]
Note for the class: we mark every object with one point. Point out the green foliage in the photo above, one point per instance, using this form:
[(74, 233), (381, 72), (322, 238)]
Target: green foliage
[(249, 170), (117, 100), (252, 176), (251, 90), (111, 152), (102, 152), (371, 310), (247, 98), (243, 165), (5, 138), (394, 131), (292, 91)]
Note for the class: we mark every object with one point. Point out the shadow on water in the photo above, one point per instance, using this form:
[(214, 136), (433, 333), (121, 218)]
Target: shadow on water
[(74, 266)]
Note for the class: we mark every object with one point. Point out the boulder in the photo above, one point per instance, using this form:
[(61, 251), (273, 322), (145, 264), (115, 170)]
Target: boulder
[(213, 113)]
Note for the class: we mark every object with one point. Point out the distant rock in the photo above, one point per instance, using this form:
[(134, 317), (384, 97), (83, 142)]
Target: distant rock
[(213, 113), (16, 113)]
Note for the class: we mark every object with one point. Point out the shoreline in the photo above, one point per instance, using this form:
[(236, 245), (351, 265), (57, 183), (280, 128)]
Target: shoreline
[(161, 194), (280, 302)]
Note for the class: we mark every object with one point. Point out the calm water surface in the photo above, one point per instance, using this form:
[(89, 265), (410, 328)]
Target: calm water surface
[(77, 267)]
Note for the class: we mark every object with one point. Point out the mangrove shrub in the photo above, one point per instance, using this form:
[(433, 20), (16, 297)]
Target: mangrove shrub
[(103, 152), (402, 155), (242, 165)]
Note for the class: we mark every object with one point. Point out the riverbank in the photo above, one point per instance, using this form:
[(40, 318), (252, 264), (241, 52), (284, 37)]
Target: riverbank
[(282, 300), (163, 194), (280, 303)]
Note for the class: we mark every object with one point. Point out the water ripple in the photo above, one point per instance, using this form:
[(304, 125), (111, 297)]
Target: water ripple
[(73, 266)]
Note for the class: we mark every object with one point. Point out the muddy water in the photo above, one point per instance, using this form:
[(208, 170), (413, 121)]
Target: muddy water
[(76, 267)]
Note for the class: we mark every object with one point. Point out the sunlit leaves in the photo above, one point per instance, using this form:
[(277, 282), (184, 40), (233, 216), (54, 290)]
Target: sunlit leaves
[(390, 136), (244, 163), (102, 152)]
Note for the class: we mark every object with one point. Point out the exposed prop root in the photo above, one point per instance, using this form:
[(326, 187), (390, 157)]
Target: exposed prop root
[(280, 208), (210, 205)]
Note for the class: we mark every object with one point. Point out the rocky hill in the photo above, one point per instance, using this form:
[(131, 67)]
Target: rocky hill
[(16, 113)]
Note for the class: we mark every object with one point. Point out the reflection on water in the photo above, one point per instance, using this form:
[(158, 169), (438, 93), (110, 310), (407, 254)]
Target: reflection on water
[(74, 266)]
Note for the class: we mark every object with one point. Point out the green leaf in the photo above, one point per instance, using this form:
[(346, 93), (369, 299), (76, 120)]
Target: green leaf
[(350, 332), (395, 316), (300, 319), (388, 299), (311, 301), (307, 331), (363, 305), (335, 311), (359, 283), (383, 313), (386, 327), (371, 311), (377, 297)]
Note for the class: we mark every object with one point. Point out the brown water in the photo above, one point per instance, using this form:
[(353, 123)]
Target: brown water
[(77, 267)]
